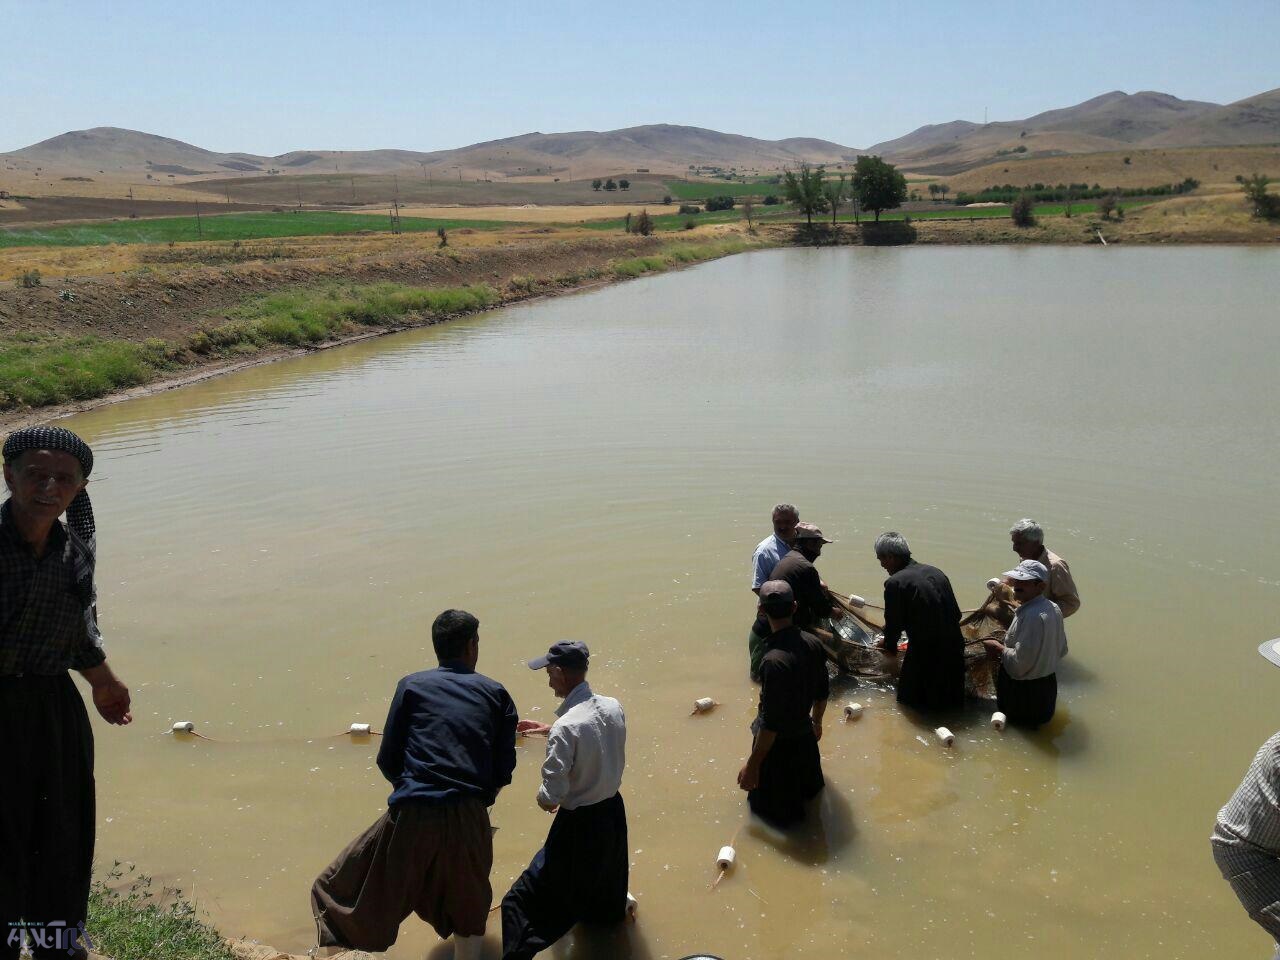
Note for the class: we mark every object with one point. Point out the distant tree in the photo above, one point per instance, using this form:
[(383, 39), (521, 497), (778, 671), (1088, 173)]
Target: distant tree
[(690, 224), (690, 209), (748, 212), (624, 184), (626, 223), (1022, 211), (878, 185), (644, 224), (610, 185), (667, 199), (834, 192), (444, 237), (771, 200), (944, 190), (1265, 205), (803, 187), (1071, 195), (1107, 206), (1127, 161), (596, 184), (722, 202), (934, 190)]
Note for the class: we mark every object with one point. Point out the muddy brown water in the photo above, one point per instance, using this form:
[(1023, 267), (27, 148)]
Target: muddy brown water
[(274, 545)]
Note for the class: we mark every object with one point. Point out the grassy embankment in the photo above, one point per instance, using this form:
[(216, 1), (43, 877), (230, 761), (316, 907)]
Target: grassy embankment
[(127, 922), (39, 370)]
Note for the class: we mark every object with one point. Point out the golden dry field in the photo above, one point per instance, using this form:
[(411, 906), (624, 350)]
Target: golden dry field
[(1212, 166)]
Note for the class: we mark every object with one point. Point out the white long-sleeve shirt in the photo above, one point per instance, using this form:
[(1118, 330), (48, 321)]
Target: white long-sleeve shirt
[(1035, 641), (586, 751)]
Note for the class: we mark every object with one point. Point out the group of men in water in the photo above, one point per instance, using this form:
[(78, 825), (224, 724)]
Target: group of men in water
[(783, 770)]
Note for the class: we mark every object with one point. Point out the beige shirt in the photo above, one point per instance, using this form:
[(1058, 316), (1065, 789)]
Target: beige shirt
[(1062, 588)]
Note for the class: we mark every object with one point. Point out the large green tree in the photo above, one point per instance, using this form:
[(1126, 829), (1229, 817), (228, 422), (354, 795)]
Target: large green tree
[(834, 192), (878, 185), (803, 187)]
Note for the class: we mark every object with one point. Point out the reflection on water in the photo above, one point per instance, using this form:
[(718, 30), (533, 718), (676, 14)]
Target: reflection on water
[(274, 545)]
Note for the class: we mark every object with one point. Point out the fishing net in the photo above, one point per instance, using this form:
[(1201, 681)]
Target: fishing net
[(853, 642)]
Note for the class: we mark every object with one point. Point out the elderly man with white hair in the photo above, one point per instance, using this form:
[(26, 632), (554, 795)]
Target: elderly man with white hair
[(1028, 543), (919, 601)]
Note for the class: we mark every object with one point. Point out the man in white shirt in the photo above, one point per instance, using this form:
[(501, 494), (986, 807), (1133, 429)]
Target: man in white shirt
[(768, 552), (1027, 682), (1246, 836), (582, 870)]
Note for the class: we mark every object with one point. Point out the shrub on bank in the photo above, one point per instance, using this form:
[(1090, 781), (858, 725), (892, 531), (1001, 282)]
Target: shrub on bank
[(37, 370), (128, 922), (1022, 212), (301, 317)]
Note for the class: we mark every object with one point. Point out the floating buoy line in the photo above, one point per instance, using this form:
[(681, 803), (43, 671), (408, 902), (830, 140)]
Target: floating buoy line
[(357, 731)]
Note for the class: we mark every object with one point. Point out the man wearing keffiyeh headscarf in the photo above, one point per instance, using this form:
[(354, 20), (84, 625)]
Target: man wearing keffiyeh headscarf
[(48, 626)]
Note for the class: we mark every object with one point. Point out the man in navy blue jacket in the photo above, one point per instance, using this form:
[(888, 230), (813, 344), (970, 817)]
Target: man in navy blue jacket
[(448, 748)]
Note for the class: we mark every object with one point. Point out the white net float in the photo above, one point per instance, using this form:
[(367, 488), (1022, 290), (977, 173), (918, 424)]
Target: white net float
[(945, 736), (359, 729), (703, 705), (852, 711), (632, 905), (998, 720), (856, 601), (993, 583), (725, 858), (184, 726)]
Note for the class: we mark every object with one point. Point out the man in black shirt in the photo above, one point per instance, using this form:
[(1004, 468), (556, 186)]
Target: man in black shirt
[(918, 599), (448, 748), (784, 770)]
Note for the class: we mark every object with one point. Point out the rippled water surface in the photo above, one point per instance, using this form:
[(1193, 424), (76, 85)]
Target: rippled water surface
[(275, 544)]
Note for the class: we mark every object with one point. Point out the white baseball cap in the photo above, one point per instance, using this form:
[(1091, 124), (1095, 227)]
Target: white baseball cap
[(1029, 570)]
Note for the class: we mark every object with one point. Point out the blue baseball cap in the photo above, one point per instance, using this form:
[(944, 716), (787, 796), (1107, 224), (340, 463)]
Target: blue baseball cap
[(572, 654)]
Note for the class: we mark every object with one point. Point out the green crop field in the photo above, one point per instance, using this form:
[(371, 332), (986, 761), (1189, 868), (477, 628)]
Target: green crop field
[(700, 190), (229, 226)]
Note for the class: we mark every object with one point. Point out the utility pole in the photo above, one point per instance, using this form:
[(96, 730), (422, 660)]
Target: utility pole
[(353, 189), (298, 188), (133, 205), (199, 226), (228, 187)]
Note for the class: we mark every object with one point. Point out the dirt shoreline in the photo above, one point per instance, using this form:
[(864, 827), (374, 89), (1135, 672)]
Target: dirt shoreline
[(177, 298)]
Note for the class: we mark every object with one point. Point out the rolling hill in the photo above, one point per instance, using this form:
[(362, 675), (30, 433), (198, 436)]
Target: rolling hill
[(1111, 122), (658, 148)]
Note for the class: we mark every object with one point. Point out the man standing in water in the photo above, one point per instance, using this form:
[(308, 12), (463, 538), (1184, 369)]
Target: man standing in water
[(48, 626), (770, 550), (919, 601), (448, 748), (1028, 543), (1027, 682), (813, 603), (1246, 836), (784, 769), (581, 872)]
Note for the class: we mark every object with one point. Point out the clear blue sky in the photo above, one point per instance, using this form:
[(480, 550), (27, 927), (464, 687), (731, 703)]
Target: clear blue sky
[(273, 75)]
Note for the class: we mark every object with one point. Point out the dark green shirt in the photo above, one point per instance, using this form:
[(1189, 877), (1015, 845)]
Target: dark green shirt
[(44, 614)]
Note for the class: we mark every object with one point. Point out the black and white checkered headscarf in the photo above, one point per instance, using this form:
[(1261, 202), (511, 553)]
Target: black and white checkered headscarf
[(80, 513)]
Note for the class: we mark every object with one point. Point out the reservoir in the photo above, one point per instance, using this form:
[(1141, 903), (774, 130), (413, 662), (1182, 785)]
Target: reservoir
[(274, 545)]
